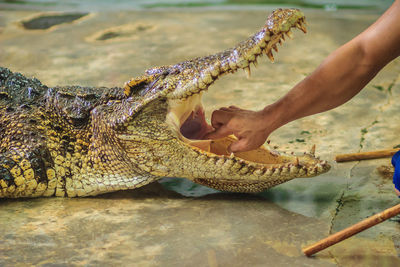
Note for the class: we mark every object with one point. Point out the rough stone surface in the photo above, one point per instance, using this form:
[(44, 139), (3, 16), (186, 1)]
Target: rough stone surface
[(155, 226)]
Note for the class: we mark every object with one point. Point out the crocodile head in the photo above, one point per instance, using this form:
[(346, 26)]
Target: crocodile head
[(161, 123)]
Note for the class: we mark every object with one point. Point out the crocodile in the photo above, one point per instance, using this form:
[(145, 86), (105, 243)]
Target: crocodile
[(71, 141)]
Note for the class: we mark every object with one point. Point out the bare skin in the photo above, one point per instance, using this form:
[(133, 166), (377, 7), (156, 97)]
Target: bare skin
[(342, 75)]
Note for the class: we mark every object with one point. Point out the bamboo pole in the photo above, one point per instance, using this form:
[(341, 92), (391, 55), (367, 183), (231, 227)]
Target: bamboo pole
[(366, 155), (352, 230)]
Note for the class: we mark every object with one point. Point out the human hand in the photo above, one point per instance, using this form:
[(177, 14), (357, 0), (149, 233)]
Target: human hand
[(248, 126)]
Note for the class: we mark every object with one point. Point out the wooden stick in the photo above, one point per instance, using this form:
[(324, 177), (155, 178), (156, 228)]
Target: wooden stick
[(366, 155), (352, 230)]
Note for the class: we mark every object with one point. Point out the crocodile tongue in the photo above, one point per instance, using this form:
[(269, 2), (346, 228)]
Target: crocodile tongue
[(259, 155), (220, 147), (195, 127)]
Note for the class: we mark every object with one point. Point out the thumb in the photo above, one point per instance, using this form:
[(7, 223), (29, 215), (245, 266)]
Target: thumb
[(218, 133), (239, 146)]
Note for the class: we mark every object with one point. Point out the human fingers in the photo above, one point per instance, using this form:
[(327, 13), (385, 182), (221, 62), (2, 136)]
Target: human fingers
[(234, 107), (226, 109), (230, 108), (247, 142), (219, 118), (218, 133), (240, 145)]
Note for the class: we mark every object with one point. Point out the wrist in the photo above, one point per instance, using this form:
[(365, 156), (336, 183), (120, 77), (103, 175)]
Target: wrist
[(273, 116)]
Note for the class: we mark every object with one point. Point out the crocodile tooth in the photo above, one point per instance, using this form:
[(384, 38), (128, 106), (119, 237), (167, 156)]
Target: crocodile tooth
[(289, 34), (301, 27), (270, 56), (312, 151), (248, 72), (275, 48), (255, 63), (283, 37), (297, 161), (280, 41)]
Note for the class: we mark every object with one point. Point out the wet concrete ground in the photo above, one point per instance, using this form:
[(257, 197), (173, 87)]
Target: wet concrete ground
[(176, 223)]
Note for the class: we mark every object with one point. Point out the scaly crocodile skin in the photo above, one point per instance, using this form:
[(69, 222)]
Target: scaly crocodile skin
[(79, 141)]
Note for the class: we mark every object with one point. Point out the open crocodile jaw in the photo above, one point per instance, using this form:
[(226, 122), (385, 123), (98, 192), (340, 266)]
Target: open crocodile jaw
[(186, 113)]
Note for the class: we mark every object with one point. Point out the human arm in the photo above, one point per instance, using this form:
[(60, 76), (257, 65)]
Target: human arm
[(339, 78)]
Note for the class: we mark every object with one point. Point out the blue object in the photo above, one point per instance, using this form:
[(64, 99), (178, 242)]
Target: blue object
[(396, 165)]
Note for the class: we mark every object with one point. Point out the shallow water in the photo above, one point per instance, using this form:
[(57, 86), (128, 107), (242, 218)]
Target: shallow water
[(176, 222)]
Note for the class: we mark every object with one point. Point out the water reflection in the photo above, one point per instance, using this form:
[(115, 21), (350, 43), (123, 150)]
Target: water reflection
[(296, 196)]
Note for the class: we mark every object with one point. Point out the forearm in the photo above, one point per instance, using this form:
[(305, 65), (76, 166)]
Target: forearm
[(340, 77), (343, 73)]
